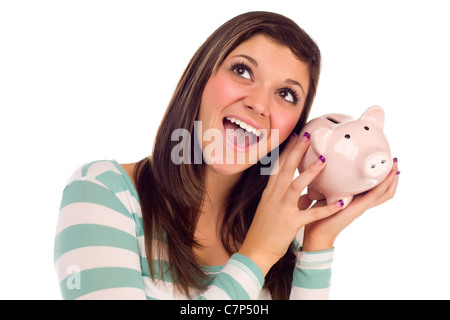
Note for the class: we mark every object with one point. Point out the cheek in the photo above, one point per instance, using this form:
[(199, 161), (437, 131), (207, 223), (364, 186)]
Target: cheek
[(219, 92), (285, 121)]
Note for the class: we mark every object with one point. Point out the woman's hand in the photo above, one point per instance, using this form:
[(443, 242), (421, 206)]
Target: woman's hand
[(320, 235), (278, 219)]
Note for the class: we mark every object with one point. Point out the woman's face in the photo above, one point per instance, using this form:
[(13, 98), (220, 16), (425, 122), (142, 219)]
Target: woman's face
[(251, 104)]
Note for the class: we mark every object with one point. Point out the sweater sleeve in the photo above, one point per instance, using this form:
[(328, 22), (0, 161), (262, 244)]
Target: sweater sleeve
[(97, 253), (240, 279), (312, 274), (96, 250)]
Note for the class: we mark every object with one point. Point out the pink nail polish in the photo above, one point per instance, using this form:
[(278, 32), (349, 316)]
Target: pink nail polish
[(292, 136), (306, 137), (320, 160)]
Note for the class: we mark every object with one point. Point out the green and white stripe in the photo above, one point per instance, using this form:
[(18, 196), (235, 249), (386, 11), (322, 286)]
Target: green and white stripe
[(100, 249)]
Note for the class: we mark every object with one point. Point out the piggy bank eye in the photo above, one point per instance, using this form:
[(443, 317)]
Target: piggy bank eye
[(347, 136), (366, 127)]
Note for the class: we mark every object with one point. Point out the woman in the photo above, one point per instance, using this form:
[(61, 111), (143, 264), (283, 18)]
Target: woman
[(200, 218)]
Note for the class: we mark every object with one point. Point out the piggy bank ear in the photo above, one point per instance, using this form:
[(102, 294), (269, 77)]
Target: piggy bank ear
[(319, 139), (375, 114)]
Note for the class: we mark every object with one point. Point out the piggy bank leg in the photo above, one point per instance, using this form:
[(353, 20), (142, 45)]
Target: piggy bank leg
[(346, 198)]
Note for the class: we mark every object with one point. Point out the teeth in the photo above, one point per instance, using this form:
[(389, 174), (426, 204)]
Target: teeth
[(245, 126)]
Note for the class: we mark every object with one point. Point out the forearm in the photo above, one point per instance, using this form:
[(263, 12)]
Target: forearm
[(314, 243), (312, 275)]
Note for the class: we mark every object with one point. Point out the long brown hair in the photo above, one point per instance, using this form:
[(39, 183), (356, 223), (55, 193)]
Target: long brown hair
[(171, 194)]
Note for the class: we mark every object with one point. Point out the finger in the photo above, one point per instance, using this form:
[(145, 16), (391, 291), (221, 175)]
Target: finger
[(390, 192), (282, 157), (304, 202), (371, 198), (287, 171), (361, 203), (382, 192), (320, 203), (304, 139), (319, 213), (297, 186), (393, 187), (293, 140)]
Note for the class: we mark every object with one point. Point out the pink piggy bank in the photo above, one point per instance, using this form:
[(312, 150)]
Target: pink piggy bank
[(356, 150)]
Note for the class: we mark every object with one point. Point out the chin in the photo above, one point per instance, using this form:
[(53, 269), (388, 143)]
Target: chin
[(228, 169)]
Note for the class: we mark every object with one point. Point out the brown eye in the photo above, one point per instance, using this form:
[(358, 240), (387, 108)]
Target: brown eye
[(242, 70), (347, 136), (289, 95), (366, 127)]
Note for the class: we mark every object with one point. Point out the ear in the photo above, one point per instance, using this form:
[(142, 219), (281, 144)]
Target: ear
[(375, 114), (319, 139)]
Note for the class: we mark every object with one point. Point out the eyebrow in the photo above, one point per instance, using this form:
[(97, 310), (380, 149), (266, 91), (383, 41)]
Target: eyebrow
[(253, 61), (295, 83)]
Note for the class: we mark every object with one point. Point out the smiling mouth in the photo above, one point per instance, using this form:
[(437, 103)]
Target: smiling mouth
[(241, 134)]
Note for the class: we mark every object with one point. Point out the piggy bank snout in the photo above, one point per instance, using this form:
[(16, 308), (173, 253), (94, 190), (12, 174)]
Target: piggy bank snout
[(377, 164)]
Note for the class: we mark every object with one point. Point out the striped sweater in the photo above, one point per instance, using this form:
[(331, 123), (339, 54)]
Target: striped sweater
[(100, 251)]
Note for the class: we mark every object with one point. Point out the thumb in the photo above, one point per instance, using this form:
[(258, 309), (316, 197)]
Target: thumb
[(320, 213)]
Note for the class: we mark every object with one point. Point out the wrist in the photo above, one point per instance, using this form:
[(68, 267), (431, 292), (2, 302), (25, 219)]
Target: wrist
[(315, 244), (260, 260), (317, 248)]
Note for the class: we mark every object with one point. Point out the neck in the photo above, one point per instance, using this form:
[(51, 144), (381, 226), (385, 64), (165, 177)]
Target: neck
[(208, 230), (218, 190)]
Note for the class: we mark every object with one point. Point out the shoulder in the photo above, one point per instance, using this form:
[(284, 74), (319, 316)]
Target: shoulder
[(94, 169), (107, 173), (102, 182)]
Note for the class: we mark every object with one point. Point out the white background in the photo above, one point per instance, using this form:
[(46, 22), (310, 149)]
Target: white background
[(89, 80)]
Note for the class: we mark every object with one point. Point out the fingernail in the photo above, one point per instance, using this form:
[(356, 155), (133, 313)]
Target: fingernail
[(320, 160), (395, 160), (306, 137), (340, 203), (398, 172), (292, 136)]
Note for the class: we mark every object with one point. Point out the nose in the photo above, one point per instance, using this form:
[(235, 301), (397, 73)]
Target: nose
[(377, 164), (258, 101)]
